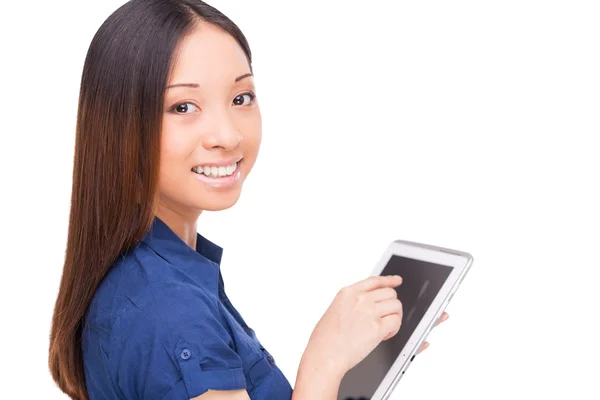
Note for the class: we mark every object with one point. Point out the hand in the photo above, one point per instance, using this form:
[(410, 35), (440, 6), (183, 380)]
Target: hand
[(359, 318), (443, 318)]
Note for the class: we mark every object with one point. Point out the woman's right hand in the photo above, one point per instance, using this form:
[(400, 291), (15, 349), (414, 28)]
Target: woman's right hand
[(359, 318)]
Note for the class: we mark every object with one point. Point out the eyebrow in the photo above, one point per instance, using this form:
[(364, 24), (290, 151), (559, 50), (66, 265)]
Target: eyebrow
[(195, 85)]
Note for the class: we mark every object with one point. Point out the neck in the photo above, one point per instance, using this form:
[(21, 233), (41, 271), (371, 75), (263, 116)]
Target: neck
[(183, 224)]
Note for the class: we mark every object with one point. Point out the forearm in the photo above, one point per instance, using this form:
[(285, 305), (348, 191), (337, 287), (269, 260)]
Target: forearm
[(317, 379)]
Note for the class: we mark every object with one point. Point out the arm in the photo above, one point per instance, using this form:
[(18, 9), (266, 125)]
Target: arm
[(316, 380), (183, 354), (365, 314), (224, 395)]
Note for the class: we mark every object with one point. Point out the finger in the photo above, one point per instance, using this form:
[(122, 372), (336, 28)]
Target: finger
[(390, 325), (423, 347), (443, 318), (387, 307), (376, 282), (382, 294)]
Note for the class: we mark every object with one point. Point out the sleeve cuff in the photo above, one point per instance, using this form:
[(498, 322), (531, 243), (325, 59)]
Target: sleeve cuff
[(197, 381)]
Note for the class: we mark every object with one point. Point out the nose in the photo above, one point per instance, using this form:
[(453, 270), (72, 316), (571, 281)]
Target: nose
[(223, 134)]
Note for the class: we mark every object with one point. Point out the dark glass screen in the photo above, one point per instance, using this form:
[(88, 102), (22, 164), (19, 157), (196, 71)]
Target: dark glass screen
[(421, 282)]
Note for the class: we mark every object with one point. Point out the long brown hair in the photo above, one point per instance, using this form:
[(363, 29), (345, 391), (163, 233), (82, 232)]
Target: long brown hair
[(115, 171)]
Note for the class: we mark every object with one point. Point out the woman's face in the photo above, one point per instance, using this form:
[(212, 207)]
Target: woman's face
[(211, 125)]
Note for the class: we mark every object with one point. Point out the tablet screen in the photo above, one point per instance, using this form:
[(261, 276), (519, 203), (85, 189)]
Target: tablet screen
[(421, 281)]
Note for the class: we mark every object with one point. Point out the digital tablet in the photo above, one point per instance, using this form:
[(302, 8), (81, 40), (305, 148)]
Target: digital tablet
[(430, 277)]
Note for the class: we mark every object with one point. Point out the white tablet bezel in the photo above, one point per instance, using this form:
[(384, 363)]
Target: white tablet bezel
[(460, 261)]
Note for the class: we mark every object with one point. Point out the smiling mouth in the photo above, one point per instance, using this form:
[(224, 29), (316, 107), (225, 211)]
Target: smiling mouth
[(213, 171)]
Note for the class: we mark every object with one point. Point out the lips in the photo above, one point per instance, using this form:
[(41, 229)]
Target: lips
[(223, 178), (216, 171)]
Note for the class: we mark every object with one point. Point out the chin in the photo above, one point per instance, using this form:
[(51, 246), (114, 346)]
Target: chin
[(215, 201)]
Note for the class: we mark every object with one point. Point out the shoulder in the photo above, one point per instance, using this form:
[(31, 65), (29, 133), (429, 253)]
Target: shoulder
[(167, 306), (145, 290), (153, 327), (136, 281), (173, 339)]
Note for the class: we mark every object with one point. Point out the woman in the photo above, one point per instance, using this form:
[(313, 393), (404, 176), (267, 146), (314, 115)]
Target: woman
[(169, 126)]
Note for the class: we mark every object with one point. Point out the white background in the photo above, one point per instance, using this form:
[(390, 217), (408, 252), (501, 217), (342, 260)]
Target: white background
[(464, 124)]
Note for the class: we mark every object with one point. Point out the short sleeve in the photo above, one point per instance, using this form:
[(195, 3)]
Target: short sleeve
[(172, 344)]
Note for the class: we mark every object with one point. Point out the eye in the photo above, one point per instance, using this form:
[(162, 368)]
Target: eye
[(183, 108), (244, 99)]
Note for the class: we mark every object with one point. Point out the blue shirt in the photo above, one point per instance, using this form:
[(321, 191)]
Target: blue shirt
[(160, 326)]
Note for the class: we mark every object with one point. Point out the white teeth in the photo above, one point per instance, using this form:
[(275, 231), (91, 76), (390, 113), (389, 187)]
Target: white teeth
[(215, 172)]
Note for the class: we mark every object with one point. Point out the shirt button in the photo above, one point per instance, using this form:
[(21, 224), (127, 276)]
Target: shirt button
[(271, 359), (186, 354)]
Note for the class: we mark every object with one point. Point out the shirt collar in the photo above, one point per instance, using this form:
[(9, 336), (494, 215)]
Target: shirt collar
[(165, 242), (169, 246)]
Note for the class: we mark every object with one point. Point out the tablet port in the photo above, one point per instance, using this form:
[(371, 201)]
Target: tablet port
[(413, 357)]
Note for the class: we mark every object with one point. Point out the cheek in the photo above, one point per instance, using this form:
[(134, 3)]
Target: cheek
[(251, 130), (175, 147)]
